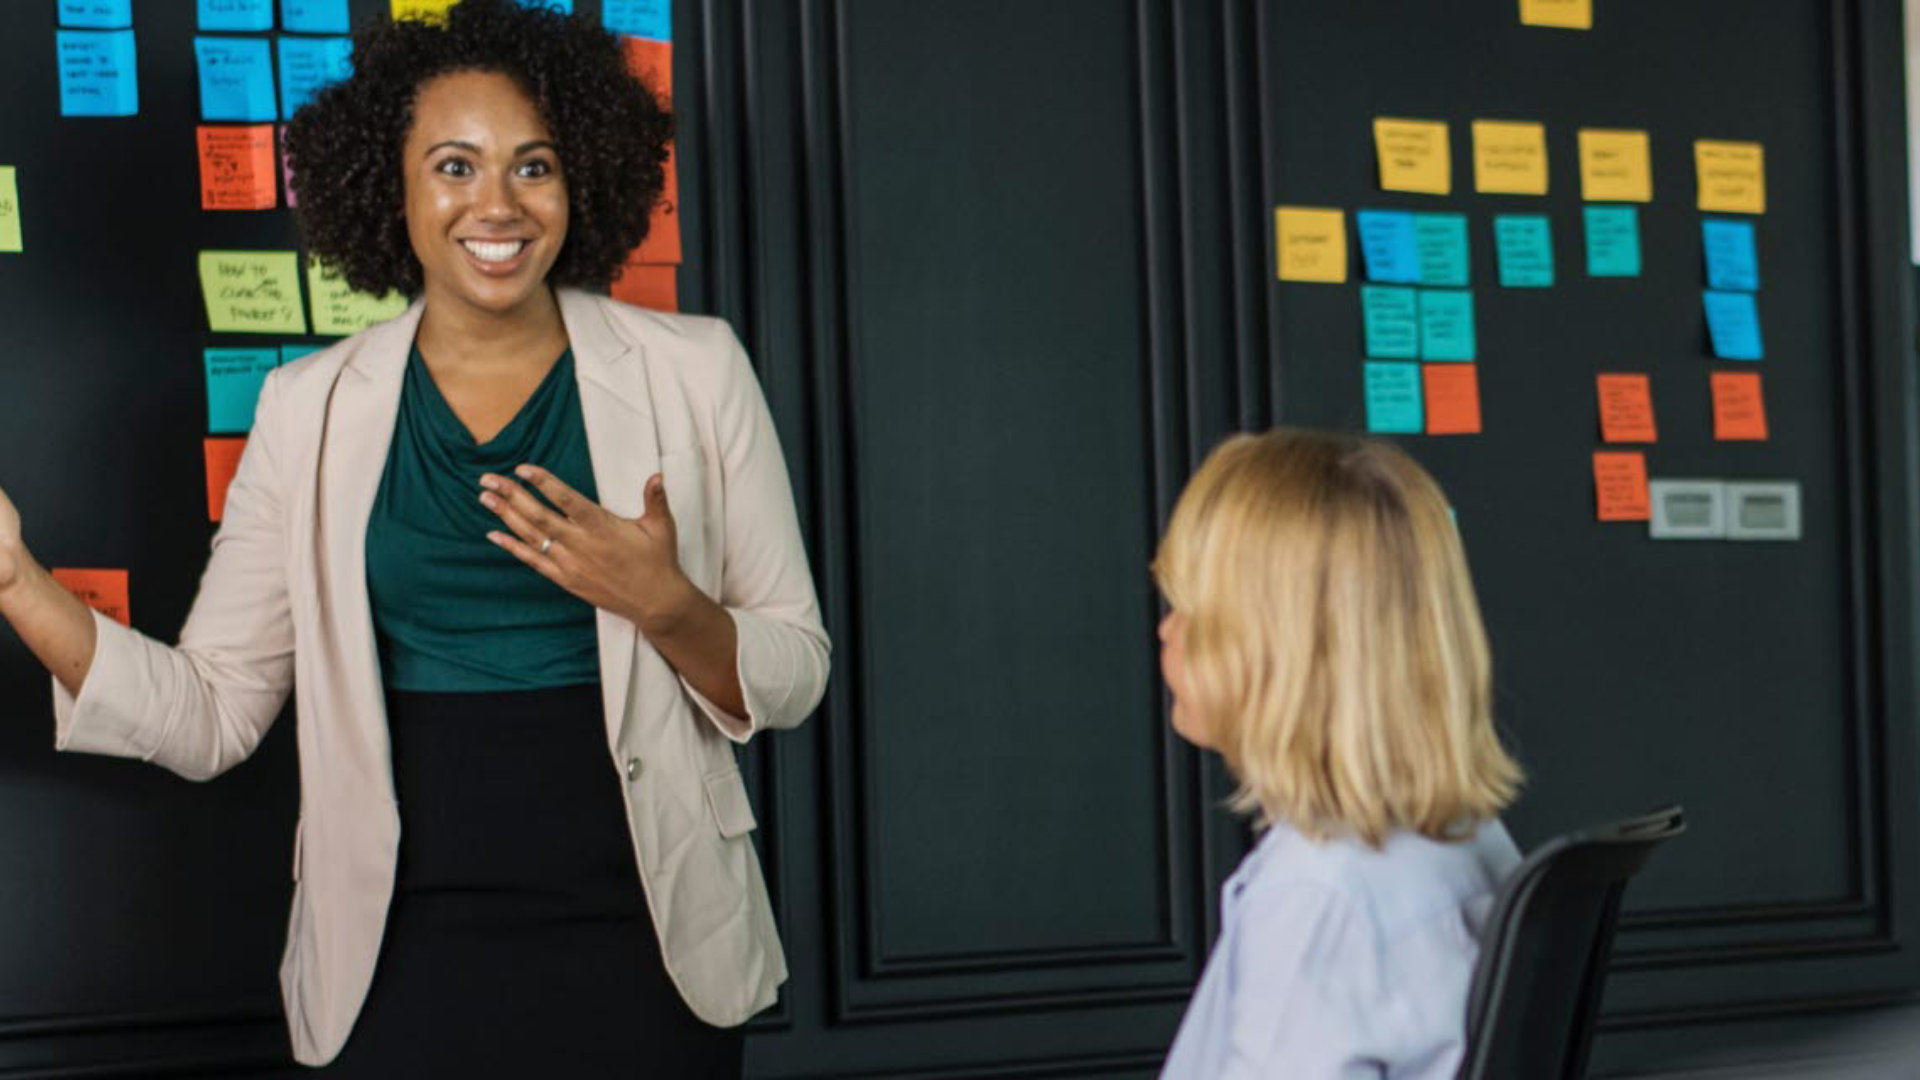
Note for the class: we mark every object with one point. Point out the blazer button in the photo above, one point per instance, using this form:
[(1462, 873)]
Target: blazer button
[(633, 768)]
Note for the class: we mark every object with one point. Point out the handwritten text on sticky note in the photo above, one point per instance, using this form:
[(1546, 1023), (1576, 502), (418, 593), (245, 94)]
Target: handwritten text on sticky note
[(252, 292), (337, 309), (1312, 243), (1509, 157), (104, 591), (1393, 398), (1626, 408), (1452, 399), (1523, 245), (1615, 166), (1732, 176), (1620, 485), (236, 167), (1414, 155)]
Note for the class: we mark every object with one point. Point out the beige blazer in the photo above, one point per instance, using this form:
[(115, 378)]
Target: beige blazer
[(283, 605)]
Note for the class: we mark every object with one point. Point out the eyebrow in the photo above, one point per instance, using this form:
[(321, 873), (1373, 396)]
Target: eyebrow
[(523, 148)]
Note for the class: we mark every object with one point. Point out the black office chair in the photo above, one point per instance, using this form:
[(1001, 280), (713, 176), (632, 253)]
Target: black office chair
[(1536, 988)]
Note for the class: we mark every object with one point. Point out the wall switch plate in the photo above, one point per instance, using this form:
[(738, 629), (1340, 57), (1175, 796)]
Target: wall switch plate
[(1687, 509), (1763, 510)]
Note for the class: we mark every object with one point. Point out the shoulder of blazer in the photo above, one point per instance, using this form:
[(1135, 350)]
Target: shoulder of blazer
[(686, 343)]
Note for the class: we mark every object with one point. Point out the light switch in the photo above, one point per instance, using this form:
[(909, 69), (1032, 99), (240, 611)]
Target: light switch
[(1687, 509)]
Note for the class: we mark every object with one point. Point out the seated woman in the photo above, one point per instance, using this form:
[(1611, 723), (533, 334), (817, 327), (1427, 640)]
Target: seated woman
[(1324, 638)]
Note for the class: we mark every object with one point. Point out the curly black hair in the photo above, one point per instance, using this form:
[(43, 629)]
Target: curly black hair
[(610, 130)]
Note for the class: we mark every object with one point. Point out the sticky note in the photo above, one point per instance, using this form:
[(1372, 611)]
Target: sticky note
[(252, 292), (99, 73), (1452, 399), (1613, 241), (236, 14), (1620, 485), (1391, 314), (652, 63), (1414, 155), (565, 7), (428, 10), (97, 14), (1509, 157), (234, 378), (1739, 411), (662, 242), (236, 78), (10, 239), (655, 287), (641, 18), (1626, 408), (1446, 324), (307, 64), (1732, 176), (1312, 243), (223, 461), (104, 591), (290, 353), (1615, 166), (1388, 247), (1732, 263), (337, 309), (1393, 398), (1564, 14), (1441, 243), (236, 168), (314, 16), (1523, 245), (1733, 325)]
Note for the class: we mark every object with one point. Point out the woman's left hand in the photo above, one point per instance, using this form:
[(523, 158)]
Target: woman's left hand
[(628, 566)]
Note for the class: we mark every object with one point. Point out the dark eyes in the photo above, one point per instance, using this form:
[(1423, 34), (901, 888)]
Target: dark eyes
[(461, 168)]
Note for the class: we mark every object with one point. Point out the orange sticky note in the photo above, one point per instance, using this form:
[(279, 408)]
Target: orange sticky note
[(652, 63), (1620, 485), (1453, 399), (238, 168), (223, 460), (1626, 409), (662, 244), (104, 591), (653, 287), (1739, 411)]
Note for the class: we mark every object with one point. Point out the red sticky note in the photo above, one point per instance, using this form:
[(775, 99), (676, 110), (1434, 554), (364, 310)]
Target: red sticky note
[(1620, 485), (1739, 412), (652, 63), (653, 287), (662, 244), (223, 460), (238, 170), (1453, 399), (104, 591), (1626, 409)]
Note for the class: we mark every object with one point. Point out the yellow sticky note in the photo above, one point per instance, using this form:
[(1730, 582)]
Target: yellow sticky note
[(1565, 14), (1733, 175), (1414, 155), (338, 310), (252, 292), (9, 211), (1509, 158), (433, 10), (1615, 166), (1312, 243)]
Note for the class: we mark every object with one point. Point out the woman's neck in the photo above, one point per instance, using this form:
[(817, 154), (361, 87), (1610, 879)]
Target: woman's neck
[(454, 333)]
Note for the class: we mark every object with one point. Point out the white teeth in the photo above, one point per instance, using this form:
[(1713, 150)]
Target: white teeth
[(494, 253)]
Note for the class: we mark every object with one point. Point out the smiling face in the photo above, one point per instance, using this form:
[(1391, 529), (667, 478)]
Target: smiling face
[(486, 202)]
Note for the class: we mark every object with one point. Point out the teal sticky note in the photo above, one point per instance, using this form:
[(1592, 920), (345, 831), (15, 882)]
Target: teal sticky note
[(1387, 246), (236, 14), (1613, 241), (1393, 398), (290, 353), (641, 18), (99, 75), (565, 7), (236, 78), (1442, 243), (307, 64), (1732, 262), (1392, 317), (97, 14), (1523, 244), (234, 378), (314, 16), (1733, 323), (1446, 324)]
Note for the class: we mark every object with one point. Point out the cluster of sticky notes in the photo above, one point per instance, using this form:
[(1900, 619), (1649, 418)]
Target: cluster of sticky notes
[(1404, 323), (10, 230), (338, 310), (1563, 14), (104, 591), (237, 167), (252, 292), (1409, 399), (1733, 280), (1400, 246)]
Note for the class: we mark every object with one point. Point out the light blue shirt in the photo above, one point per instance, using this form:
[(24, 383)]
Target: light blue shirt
[(1339, 962)]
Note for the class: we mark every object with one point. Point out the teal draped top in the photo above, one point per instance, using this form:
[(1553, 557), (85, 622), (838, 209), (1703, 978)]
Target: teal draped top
[(451, 610)]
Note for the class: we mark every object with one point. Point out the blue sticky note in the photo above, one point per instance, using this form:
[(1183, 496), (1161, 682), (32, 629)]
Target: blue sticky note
[(1613, 241), (1733, 322), (641, 18), (236, 78), (1523, 244), (236, 14), (1387, 245), (98, 73), (1393, 399), (565, 7), (290, 353), (314, 16), (1446, 324), (1442, 243), (1392, 317), (97, 14), (234, 378), (307, 64), (1732, 263)]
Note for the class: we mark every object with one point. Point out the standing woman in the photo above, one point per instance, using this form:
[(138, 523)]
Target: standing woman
[(528, 560)]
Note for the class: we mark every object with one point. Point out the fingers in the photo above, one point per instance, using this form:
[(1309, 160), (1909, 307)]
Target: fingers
[(575, 506), (530, 555), (657, 498), (521, 510)]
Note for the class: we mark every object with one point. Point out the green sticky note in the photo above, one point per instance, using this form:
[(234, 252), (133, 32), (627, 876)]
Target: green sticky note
[(1524, 246), (337, 309), (9, 211), (234, 378), (1393, 398), (1446, 324), (1613, 241), (1392, 316), (252, 292), (1441, 240)]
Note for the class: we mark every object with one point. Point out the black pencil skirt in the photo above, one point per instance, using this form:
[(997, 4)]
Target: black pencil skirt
[(518, 942)]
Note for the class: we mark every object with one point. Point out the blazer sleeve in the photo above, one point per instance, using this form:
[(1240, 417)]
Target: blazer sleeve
[(201, 707), (765, 585)]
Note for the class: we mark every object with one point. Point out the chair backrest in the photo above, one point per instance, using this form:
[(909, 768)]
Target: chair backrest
[(1543, 961)]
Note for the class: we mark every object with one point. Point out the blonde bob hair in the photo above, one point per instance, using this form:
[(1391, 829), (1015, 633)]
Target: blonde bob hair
[(1333, 647)]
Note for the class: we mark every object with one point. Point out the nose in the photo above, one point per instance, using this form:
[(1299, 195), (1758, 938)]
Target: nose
[(496, 200)]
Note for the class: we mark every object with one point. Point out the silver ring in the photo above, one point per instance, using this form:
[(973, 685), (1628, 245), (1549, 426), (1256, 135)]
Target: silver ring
[(545, 544)]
